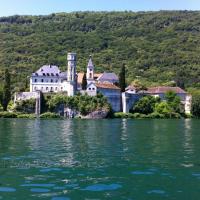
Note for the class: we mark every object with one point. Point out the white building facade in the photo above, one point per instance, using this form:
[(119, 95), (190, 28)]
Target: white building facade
[(50, 79)]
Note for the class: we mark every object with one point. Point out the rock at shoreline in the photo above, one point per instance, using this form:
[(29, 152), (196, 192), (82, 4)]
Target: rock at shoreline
[(99, 114)]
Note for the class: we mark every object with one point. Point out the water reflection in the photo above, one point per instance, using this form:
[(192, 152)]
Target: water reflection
[(130, 159)]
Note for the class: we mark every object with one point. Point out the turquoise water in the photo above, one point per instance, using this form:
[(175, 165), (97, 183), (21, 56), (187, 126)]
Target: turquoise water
[(99, 159)]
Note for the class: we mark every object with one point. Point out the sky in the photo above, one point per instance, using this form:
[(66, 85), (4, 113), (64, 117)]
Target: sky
[(43, 7)]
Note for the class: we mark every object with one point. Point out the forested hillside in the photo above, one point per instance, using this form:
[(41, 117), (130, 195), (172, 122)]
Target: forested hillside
[(157, 47)]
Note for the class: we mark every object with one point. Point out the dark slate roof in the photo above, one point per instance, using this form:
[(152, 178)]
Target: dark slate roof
[(63, 74), (47, 70), (108, 77)]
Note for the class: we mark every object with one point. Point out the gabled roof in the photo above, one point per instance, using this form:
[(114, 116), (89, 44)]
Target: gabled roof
[(163, 89), (91, 83), (48, 70), (107, 86), (108, 76)]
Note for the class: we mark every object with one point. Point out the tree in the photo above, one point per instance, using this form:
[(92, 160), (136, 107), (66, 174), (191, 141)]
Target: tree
[(146, 105), (139, 86), (1, 98), (196, 105), (84, 82), (173, 101), (163, 108), (122, 78), (6, 90)]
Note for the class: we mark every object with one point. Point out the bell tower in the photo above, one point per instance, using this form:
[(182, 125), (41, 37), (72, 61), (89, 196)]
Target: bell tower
[(71, 74), (71, 70), (90, 71)]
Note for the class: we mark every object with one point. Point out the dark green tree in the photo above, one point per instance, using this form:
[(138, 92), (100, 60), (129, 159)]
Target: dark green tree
[(173, 101), (1, 95), (146, 105), (84, 82), (122, 78), (6, 90), (196, 105)]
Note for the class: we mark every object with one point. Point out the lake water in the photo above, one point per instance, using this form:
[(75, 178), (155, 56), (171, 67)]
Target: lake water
[(99, 159)]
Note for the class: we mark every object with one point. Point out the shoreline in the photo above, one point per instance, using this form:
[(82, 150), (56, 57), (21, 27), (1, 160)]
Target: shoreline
[(119, 115)]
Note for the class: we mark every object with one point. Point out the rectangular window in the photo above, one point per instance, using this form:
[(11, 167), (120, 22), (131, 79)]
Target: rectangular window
[(35, 80)]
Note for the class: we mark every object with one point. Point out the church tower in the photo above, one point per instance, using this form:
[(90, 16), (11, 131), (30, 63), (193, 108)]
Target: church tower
[(71, 71), (71, 74), (90, 71)]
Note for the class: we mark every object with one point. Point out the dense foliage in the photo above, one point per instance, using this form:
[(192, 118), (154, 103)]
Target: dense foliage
[(146, 105), (171, 107), (122, 78), (25, 106), (196, 105), (5, 93), (84, 82), (81, 103), (157, 47)]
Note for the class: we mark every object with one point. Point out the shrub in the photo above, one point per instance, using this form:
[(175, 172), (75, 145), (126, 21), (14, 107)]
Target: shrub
[(25, 106), (49, 115), (8, 115), (26, 116), (156, 115), (121, 115)]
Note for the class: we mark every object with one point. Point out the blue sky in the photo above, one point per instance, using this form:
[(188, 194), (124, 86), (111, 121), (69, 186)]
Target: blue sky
[(38, 7)]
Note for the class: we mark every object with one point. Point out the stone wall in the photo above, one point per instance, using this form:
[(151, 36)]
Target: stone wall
[(113, 96), (22, 96)]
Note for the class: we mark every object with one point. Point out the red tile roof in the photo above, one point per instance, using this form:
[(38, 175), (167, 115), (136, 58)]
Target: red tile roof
[(107, 86), (163, 89)]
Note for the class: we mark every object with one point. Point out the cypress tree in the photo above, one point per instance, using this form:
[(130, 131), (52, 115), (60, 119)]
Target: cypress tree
[(122, 78), (84, 82), (6, 90)]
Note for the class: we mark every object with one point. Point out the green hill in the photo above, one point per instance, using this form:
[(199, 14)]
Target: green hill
[(157, 47)]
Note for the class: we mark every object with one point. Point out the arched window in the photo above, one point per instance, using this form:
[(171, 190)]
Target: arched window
[(35, 80), (47, 88), (90, 75), (35, 88)]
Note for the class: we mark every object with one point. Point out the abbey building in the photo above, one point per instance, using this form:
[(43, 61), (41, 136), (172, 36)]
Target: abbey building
[(49, 78)]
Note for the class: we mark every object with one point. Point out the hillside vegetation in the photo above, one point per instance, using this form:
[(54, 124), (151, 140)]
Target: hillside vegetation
[(156, 47)]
